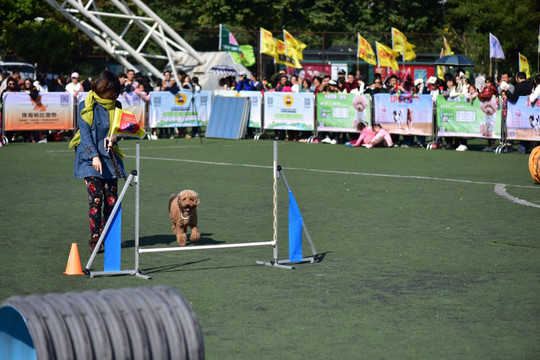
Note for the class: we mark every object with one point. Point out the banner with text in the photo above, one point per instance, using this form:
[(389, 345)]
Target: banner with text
[(255, 98), (289, 111), (404, 114), (459, 117), (178, 110), (130, 102), (336, 112), (523, 119), (49, 111)]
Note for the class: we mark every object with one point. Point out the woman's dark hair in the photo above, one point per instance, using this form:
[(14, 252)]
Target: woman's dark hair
[(107, 85)]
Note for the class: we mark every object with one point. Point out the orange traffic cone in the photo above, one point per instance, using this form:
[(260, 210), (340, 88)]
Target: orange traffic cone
[(74, 262)]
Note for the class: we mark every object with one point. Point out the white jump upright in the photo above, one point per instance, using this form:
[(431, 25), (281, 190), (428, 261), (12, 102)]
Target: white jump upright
[(135, 177), (275, 262)]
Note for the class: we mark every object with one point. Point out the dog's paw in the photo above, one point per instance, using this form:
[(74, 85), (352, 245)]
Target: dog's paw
[(181, 239), (195, 236)]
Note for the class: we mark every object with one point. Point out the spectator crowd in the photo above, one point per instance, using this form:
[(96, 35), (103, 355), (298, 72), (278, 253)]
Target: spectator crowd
[(479, 88)]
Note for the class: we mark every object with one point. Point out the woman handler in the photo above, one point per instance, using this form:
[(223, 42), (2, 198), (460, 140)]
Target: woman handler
[(97, 158)]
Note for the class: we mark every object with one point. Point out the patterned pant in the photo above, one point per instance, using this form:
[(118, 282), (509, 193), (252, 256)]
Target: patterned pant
[(100, 191)]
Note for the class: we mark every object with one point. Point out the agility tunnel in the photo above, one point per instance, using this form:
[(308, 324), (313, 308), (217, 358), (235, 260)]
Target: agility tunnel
[(141, 323)]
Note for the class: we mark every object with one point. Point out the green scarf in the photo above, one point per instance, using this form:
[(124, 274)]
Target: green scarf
[(87, 114)]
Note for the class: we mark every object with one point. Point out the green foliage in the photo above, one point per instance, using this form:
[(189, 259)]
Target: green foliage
[(466, 25), (49, 42), (515, 24)]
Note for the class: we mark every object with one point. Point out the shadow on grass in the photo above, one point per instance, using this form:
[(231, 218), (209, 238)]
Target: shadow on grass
[(180, 267)]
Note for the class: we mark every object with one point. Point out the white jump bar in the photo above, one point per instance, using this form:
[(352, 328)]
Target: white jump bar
[(203, 247)]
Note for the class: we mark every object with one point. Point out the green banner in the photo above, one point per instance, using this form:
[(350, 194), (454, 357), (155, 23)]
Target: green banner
[(336, 113), (460, 117)]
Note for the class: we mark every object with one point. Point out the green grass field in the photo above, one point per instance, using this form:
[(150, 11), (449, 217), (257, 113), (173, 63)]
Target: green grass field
[(421, 258)]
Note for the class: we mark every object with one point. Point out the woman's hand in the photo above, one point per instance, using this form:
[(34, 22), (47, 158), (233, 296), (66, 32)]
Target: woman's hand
[(96, 164)]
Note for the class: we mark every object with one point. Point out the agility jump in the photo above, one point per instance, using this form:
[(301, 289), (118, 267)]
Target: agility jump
[(111, 231)]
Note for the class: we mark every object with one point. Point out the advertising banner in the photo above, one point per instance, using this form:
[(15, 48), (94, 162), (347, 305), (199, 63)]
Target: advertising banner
[(404, 114), (336, 112), (256, 100), (459, 117), (523, 120), (178, 110), (49, 111), (289, 111), (130, 102)]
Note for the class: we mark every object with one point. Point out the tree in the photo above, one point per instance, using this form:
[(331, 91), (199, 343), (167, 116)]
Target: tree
[(33, 32), (514, 23)]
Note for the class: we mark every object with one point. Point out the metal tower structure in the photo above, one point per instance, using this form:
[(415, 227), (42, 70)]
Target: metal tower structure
[(88, 17)]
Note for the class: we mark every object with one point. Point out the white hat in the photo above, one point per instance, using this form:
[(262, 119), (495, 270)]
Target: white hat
[(75, 75), (418, 81), (332, 82), (432, 80)]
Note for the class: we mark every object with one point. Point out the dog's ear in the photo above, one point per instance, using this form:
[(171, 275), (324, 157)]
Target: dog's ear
[(197, 200)]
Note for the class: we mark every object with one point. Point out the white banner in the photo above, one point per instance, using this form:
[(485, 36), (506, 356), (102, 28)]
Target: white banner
[(49, 111), (178, 110), (289, 111), (256, 100)]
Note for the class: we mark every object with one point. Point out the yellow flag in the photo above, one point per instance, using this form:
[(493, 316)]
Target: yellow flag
[(268, 46), (125, 124), (440, 69), (447, 49), (386, 56), (294, 47), (524, 65), (365, 52), (282, 57), (402, 46)]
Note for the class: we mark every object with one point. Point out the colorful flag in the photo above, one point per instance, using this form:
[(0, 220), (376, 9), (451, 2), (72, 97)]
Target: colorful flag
[(440, 69), (386, 56), (283, 58), (402, 46), (495, 49), (447, 49), (227, 42), (268, 45), (246, 57), (125, 124), (524, 65), (293, 47), (365, 52)]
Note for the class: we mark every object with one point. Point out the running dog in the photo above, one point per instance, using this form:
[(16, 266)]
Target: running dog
[(183, 213)]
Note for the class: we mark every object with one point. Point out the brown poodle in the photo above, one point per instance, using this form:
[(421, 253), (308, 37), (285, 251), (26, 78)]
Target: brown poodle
[(183, 213)]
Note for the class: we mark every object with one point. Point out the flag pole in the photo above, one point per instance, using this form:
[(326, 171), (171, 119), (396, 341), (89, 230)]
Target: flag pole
[(260, 54), (220, 29), (490, 69), (402, 56)]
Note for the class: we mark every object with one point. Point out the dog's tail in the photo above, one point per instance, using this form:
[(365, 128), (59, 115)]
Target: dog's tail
[(171, 199)]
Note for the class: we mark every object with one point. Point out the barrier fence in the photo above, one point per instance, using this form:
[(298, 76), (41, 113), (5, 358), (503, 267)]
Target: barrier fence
[(336, 113), (398, 114), (404, 115)]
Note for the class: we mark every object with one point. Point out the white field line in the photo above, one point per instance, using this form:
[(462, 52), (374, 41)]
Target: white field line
[(499, 189)]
